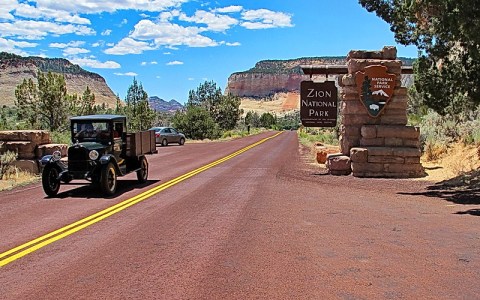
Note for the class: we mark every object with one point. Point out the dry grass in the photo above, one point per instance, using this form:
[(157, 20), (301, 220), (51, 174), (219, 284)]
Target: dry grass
[(458, 160), (17, 178)]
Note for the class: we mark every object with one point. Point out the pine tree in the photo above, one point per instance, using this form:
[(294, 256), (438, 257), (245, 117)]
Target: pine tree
[(138, 111), (26, 95)]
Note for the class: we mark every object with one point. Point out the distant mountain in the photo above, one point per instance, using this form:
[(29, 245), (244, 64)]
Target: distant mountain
[(159, 104), (14, 69)]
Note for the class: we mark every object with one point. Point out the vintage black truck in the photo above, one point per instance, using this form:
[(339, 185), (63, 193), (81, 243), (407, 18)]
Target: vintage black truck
[(101, 151)]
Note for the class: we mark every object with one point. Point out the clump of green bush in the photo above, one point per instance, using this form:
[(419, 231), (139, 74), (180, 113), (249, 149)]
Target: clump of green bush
[(438, 132), (311, 135), (61, 137)]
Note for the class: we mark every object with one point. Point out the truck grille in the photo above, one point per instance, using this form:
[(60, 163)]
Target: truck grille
[(78, 160)]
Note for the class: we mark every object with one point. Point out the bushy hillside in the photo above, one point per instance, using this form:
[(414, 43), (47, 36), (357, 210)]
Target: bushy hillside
[(14, 69)]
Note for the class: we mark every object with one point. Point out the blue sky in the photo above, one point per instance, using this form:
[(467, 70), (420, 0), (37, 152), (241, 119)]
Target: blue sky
[(172, 46)]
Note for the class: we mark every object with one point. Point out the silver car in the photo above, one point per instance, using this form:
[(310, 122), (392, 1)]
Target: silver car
[(167, 135)]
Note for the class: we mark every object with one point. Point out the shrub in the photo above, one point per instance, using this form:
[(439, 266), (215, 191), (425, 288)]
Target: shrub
[(61, 137), (6, 161), (327, 136), (234, 134)]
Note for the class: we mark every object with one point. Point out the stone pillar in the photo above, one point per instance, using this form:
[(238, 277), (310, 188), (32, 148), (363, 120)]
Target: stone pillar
[(381, 146)]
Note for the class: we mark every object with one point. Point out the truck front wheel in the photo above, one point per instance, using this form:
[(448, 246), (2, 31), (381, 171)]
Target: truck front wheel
[(142, 174), (50, 180), (108, 179)]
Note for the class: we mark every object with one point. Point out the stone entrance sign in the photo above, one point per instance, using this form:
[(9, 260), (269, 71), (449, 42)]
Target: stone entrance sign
[(318, 104), (375, 140), (375, 87)]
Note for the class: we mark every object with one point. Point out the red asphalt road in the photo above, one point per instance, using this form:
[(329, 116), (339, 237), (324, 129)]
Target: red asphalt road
[(262, 225)]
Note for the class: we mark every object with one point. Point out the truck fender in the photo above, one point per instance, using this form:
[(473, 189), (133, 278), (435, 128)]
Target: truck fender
[(45, 160), (105, 159), (49, 159)]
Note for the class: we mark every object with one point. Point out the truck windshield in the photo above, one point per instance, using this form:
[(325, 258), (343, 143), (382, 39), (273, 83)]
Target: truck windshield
[(86, 131)]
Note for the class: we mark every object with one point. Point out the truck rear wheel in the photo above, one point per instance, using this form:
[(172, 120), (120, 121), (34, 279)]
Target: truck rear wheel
[(142, 174), (50, 180), (108, 179)]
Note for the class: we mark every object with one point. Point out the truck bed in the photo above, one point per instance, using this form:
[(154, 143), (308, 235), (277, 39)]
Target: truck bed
[(139, 143)]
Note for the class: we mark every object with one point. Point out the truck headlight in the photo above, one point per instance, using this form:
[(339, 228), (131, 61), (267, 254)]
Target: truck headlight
[(93, 155), (56, 155)]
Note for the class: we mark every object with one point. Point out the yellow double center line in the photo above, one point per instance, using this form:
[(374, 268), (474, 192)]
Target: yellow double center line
[(29, 247)]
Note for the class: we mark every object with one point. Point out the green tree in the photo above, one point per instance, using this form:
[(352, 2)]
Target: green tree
[(26, 95), (47, 105), (228, 112), (207, 95), (196, 123), (52, 95), (252, 119), (137, 108), (267, 120), (446, 34), (224, 110), (289, 121), (88, 103)]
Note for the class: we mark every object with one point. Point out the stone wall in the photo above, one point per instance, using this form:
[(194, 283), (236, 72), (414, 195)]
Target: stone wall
[(30, 145), (381, 146)]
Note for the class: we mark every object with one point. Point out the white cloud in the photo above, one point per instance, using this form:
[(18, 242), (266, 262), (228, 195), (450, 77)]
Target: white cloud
[(170, 35), (214, 22), (132, 74), (144, 63), (167, 53), (129, 46), (264, 18), (74, 51), (167, 16), (28, 11), (229, 9), (95, 6), (6, 6), (92, 63), (30, 29), (106, 32), (70, 44), (13, 46), (174, 63), (235, 44)]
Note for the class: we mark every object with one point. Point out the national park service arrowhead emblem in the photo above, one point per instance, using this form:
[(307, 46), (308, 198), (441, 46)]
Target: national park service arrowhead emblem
[(375, 87)]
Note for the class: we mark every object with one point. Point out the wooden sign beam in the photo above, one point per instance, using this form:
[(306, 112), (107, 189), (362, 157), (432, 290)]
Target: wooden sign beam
[(337, 69)]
